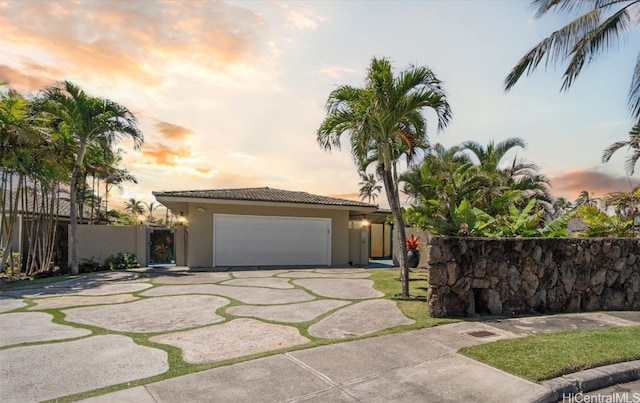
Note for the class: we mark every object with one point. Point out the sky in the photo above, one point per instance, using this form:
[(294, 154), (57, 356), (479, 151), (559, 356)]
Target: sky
[(230, 94)]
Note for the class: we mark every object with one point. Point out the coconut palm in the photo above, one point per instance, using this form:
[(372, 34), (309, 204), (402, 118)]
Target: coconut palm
[(378, 116), (633, 144), (150, 208), (90, 121), (369, 187), (585, 199), (601, 28), (135, 207), (492, 155)]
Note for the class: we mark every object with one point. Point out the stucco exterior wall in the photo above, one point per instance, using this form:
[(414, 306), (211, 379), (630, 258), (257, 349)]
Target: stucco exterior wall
[(98, 242), (200, 250)]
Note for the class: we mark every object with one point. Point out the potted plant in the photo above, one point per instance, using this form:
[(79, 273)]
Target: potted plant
[(413, 254)]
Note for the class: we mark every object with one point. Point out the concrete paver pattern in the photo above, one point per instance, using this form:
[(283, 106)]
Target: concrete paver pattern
[(9, 304), (70, 301), (212, 316), (29, 327), (360, 319), (231, 340), (184, 307), (247, 295), (151, 315), (291, 313), (270, 282), (341, 288), (47, 371), (188, 278)]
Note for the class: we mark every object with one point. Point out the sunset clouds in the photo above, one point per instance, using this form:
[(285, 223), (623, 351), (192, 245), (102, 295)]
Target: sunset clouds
[(231, 93), (571, 183), (138, 41)]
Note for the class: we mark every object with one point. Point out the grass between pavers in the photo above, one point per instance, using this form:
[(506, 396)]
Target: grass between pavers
[(386, 281), (535, 358), (547, 356)]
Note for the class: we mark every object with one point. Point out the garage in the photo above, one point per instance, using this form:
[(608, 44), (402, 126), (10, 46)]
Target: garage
[(255, 240)]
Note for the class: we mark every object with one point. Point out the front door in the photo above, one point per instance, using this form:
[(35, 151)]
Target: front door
[(162, 247)]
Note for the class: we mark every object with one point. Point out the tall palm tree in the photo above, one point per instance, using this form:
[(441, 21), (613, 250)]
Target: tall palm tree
[(602, 27), (369, 187), (378, 116), (90, 121)]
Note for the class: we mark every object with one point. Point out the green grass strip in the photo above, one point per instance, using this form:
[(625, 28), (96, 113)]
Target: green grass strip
[(547, 356), (388, 282)]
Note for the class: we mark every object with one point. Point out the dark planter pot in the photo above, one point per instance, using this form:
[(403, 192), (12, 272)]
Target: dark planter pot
[(413, 258)]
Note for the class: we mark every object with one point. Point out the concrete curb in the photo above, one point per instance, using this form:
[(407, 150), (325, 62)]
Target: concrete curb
[(593, 379)]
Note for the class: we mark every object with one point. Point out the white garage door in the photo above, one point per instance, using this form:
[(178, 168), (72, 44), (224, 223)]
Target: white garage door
[(245, 240)]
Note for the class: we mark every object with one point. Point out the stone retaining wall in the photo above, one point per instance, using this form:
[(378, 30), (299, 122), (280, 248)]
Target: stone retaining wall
[(510, 276)]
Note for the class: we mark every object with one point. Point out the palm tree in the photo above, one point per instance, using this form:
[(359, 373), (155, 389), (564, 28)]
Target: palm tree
[(135, 207), (369, 187), (385, 112), (114, 177), (150, 207), (633, 144), (601, 28), (585, 199), (491, 156), (561, 206), (90, 121)]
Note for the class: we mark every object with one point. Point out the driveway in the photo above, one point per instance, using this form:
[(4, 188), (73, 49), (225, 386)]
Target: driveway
[(172, 335), (115, 328)]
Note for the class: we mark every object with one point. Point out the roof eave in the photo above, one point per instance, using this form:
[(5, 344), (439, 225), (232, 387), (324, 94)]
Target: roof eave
[(203, 200)]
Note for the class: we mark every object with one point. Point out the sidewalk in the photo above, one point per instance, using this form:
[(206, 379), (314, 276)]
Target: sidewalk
[(94, 347), (414, 366)]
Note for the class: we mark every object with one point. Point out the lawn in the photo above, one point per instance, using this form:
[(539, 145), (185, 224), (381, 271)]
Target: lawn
[(535, 358), (547, 356), (388, 281)]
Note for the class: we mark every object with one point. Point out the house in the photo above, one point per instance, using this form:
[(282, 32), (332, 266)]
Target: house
[(269, 227)]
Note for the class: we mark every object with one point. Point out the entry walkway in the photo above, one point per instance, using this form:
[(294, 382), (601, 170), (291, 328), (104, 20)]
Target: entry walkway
[(93, 332)]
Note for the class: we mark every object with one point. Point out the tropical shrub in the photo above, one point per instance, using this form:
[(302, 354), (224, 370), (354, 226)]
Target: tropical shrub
[(121, 261), (465, 220), (599, 224), (14, 262)]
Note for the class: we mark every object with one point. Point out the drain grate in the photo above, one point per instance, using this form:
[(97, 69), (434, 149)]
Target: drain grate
[(482, 333)]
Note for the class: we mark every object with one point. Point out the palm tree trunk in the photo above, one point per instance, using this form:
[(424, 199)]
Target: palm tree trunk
[(73, 216), (73, 210), (400, 235)]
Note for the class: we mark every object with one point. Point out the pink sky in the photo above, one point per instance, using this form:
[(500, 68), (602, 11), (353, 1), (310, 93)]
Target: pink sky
[(230, 94)]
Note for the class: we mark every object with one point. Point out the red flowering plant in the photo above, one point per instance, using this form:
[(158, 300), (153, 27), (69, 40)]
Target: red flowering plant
[(412, 242)]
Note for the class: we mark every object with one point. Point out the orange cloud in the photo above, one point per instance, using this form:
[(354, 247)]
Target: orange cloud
[(570, 184), (112, 40), (161, 154), (173, 132), (38, 77)]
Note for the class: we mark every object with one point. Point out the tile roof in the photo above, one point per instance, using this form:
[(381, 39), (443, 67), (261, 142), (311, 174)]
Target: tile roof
[(264, 194), (63, 208)]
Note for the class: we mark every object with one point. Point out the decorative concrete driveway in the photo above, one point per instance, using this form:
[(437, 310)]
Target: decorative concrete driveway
[(107, 329)]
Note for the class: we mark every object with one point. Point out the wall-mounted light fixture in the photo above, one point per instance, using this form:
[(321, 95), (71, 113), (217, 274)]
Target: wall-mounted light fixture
[(365, 222), (182, 219)]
